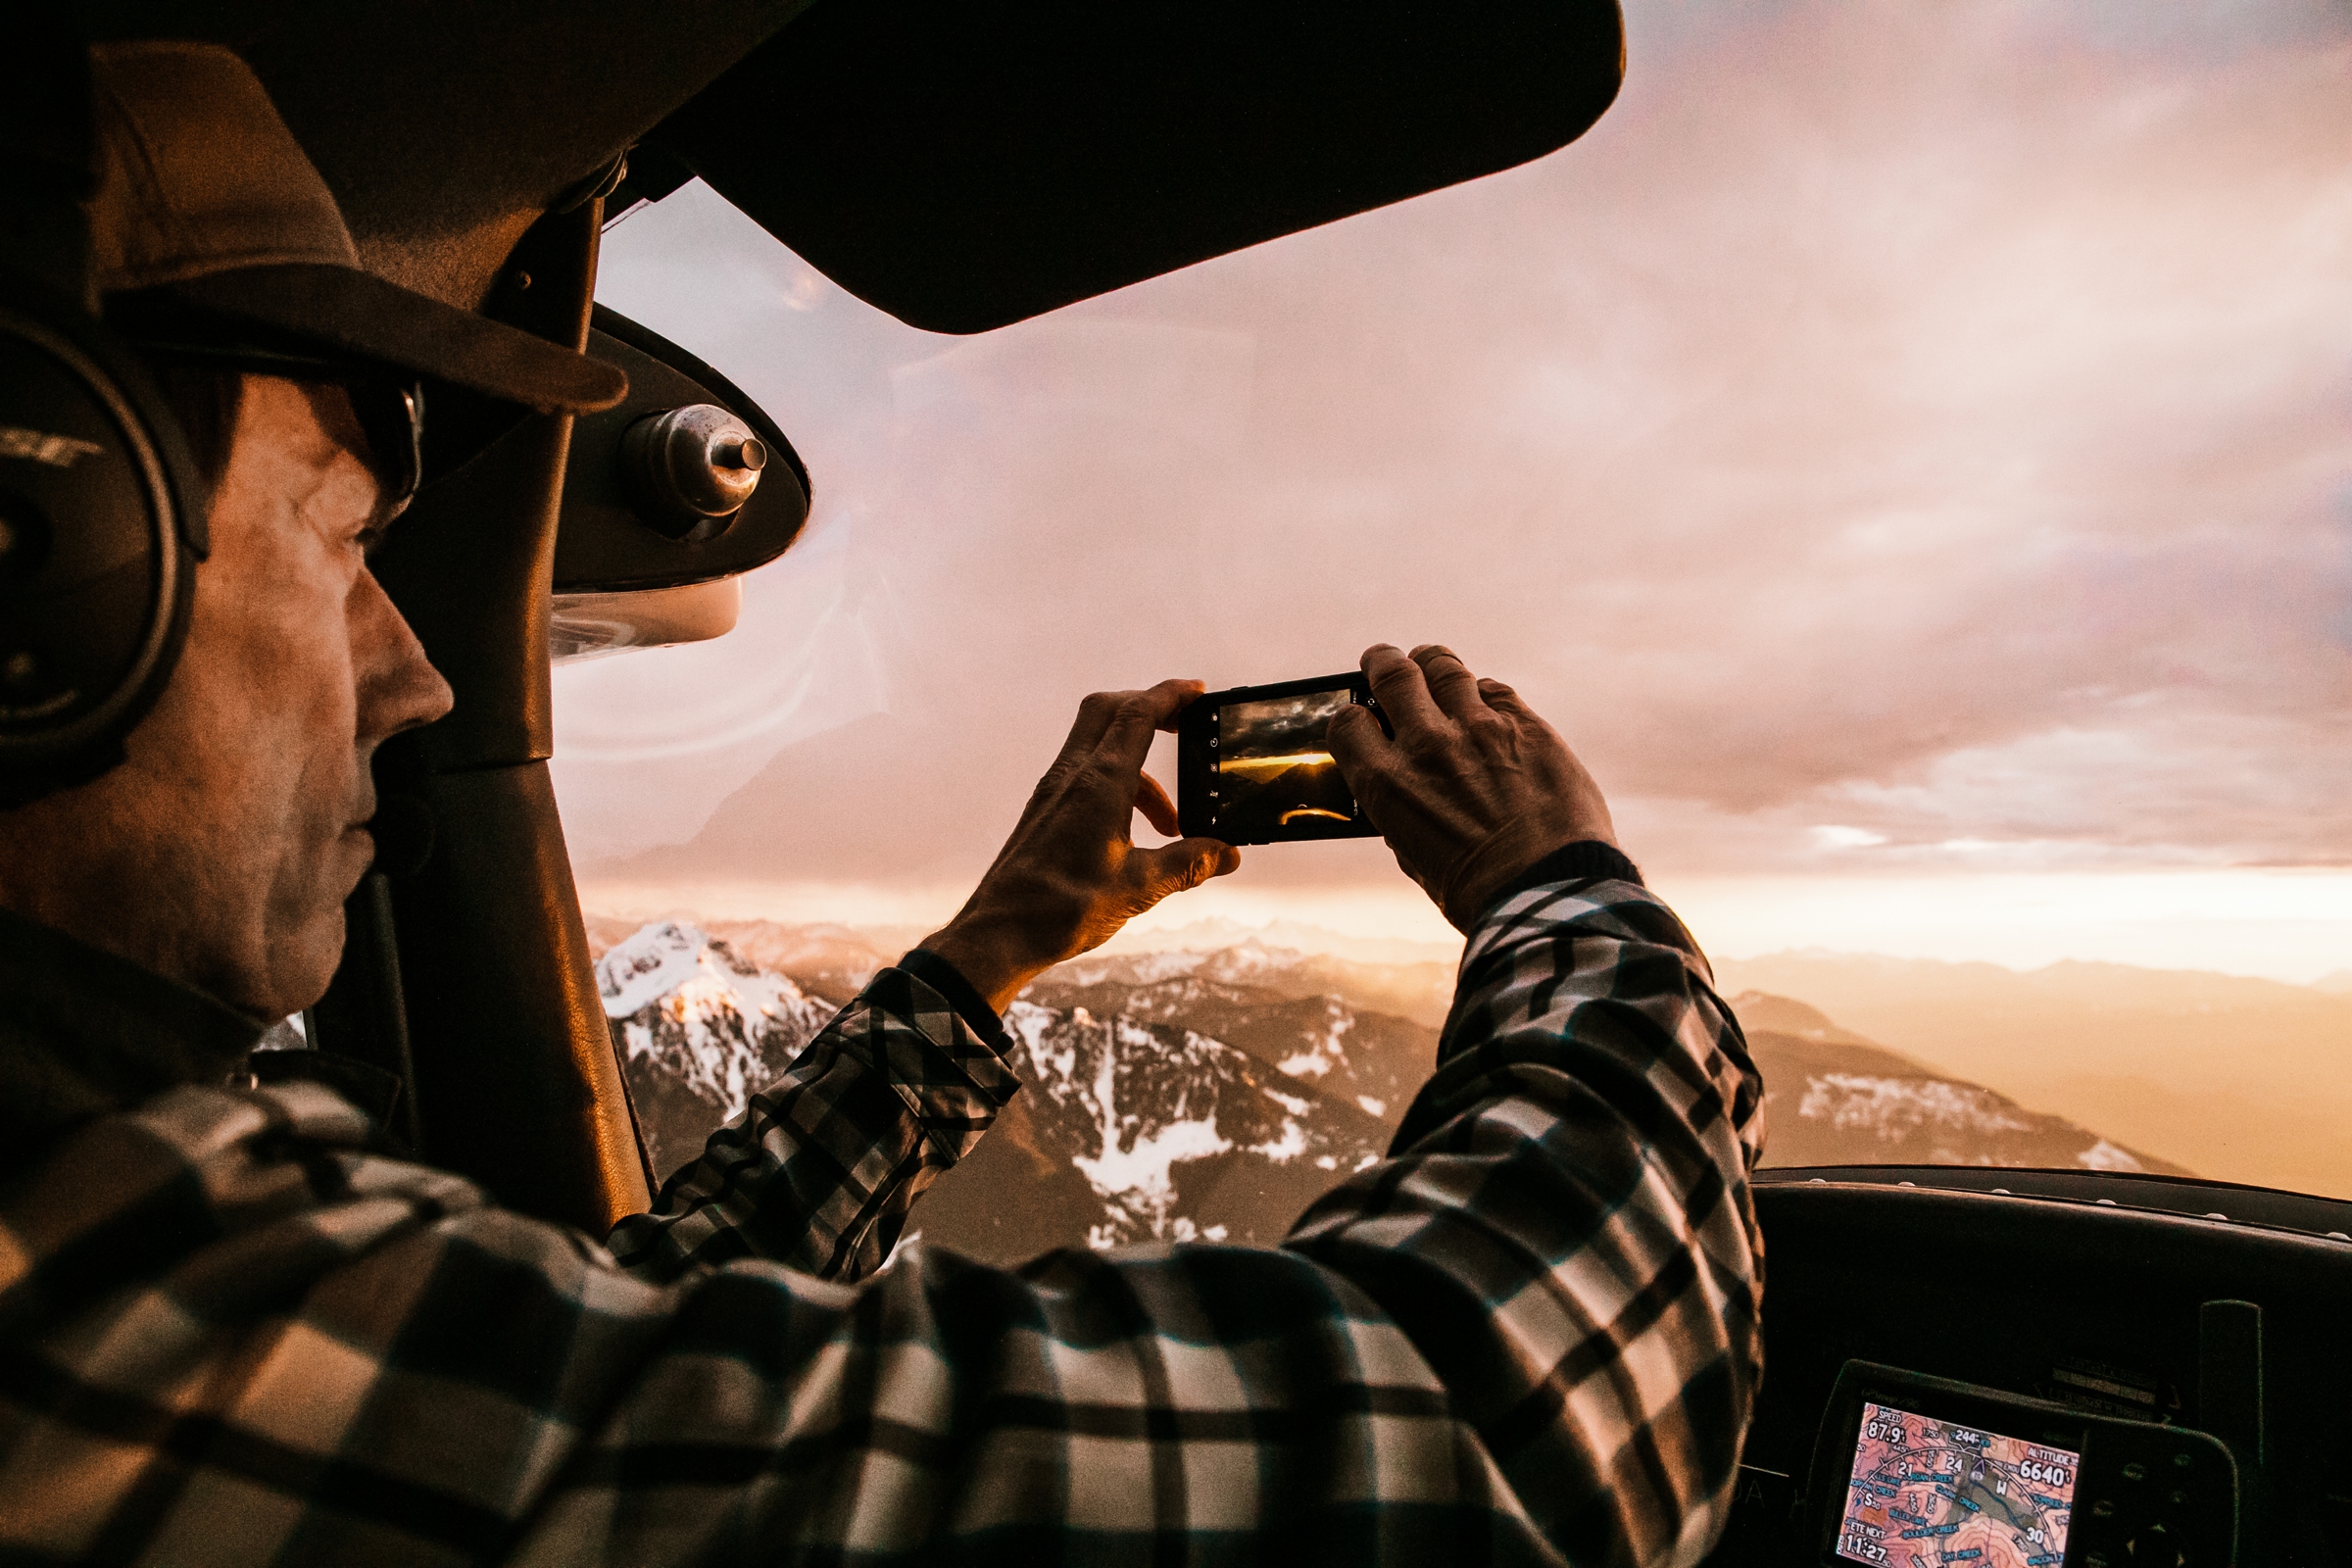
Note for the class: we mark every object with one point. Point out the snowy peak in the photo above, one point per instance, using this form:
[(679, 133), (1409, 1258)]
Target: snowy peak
[(700, 1031), (671, 962), (1244, 962), (1250, 960), (1323, 1044), (1368, 1060), (648, 965), (1420, 991), (1178, 1136), (1141, 968), (1828, 1102)]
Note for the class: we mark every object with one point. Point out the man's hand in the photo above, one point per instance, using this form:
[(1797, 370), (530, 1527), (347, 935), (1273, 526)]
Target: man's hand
[(1473, 790), (1069, 877)]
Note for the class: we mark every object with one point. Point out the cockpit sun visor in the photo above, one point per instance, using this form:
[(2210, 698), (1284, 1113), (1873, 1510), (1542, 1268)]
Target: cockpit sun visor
[(687, 481), (963, 167)]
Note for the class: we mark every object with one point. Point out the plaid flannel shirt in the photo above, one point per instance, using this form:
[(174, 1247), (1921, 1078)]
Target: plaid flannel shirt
[(232, 1333)]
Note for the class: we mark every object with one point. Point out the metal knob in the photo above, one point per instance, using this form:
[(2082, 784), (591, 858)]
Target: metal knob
[(687, 470)]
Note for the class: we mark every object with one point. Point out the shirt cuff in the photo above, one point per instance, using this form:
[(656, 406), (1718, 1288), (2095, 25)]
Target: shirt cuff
[(965, 997), (1584, 860)]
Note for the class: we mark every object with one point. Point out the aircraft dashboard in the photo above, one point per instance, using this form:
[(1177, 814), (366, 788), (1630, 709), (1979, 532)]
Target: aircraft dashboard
[(1994, 1368)]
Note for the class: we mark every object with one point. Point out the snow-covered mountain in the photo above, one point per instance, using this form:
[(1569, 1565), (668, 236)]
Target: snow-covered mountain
[(1214, 1096), (699, 1030), (1180, 1136), (1371, 1060), (1420, 990), (1831, 1097), (1183, 1108)]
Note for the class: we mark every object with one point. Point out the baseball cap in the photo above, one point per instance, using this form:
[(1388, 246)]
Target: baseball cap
[(204, 200)]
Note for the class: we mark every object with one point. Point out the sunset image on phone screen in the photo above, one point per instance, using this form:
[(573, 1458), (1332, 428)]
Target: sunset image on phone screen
[(1275, 773)]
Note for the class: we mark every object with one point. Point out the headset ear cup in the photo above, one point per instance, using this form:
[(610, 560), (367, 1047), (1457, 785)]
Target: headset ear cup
[(101, 528)]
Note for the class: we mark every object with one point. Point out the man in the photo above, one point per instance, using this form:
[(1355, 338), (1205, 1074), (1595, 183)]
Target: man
[(230, 1332)]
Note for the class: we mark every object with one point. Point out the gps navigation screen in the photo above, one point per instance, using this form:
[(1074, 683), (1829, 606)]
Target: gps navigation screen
[(1275, 776), (1926, 1491)]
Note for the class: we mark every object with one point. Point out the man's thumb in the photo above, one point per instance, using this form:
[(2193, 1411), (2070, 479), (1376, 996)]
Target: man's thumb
[(1355, 738), (1184, 864)]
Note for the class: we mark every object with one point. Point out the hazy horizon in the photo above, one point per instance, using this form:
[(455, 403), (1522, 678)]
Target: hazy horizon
[(1332, 924)]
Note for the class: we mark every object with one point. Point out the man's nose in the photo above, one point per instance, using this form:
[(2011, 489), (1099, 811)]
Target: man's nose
[(399, 689)]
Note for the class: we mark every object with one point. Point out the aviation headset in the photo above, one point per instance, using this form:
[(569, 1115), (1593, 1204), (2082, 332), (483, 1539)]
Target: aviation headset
[(102, 508)]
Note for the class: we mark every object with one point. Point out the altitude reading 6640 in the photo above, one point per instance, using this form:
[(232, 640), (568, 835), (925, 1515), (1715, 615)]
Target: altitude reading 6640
[(1927, 1493)]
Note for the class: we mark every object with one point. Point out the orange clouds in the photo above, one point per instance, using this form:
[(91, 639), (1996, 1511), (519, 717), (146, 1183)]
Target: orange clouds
[(1932, 422)]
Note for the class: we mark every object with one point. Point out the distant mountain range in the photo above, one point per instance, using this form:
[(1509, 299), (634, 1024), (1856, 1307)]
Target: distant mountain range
[(1213, 1094), (1832, 1098), (1215, 932), (2244, 1080)]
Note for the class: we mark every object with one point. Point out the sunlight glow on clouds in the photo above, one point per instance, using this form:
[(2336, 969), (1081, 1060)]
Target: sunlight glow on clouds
[(1904, 436), (2281, 925)]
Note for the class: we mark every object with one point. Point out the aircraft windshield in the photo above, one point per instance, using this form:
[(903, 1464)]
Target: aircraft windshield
[(1906, 449)]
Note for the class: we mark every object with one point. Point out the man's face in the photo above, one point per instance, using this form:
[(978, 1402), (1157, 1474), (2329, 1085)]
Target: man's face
[(221, 852)]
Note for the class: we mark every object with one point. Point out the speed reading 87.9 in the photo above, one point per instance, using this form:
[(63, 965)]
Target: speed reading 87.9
[(1926, 1491)]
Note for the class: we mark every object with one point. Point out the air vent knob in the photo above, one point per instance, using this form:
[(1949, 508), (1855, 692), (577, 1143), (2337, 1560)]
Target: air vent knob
[(688, 471)]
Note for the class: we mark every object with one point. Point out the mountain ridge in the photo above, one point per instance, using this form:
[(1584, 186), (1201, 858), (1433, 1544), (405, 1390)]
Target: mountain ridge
[(2242, 1079), (1214, 1096)]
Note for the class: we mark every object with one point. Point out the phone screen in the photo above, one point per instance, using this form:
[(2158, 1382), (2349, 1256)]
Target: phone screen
[(1274, 775)]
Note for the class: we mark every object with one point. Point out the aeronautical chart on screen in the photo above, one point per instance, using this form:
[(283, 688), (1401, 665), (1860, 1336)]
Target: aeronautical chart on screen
[(1927, 1493)]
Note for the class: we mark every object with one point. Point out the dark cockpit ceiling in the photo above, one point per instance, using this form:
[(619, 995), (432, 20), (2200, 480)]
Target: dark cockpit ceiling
[(960, 167)]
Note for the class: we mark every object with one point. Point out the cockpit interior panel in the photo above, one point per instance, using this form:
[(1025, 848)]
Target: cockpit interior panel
[(2141, 1311)]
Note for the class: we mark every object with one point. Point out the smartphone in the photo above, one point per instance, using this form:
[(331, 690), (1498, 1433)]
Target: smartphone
[(1252, 767)]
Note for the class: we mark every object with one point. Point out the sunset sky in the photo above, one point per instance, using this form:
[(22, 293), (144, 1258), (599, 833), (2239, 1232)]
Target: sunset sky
[(1906, 448)]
